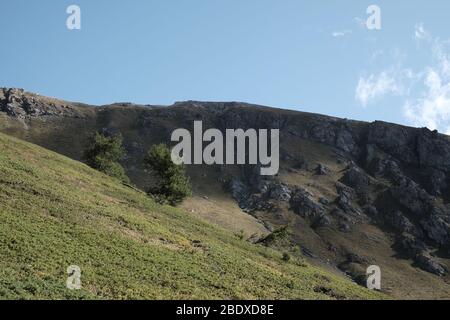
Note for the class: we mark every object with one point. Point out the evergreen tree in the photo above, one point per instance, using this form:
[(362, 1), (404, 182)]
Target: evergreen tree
[(104, 154), (172, 185)]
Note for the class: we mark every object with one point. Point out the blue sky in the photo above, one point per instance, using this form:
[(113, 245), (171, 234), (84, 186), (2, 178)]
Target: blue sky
[(313, 56)]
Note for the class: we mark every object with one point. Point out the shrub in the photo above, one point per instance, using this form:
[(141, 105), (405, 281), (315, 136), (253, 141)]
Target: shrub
[(240, 235), (279, 235), (104, 153), (172, 184)]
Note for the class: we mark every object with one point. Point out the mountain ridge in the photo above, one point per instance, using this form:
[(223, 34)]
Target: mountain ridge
[(5, 92), (355, 193)]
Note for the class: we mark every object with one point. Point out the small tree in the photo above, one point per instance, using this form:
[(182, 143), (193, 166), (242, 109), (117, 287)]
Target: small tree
[(172, 184), (104, 154)]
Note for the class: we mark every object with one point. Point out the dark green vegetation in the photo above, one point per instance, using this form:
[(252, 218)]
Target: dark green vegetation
[(56, 212), (172, 184), (104, 153)]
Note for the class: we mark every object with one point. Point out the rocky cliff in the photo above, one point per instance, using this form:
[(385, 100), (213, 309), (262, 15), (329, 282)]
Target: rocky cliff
[(352, 193)]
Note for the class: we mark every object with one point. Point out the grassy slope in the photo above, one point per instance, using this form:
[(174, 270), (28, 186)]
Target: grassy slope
[(55, 212)]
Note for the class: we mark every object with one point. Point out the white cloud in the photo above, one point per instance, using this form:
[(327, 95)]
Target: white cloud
[(394, 80), (340, 34), (426, 90), (432, 109), (375, 86), (420, 33), (442, 58), (432, 106)]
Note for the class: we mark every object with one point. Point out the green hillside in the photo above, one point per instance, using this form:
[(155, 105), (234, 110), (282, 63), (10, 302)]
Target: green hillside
[(56, 212)]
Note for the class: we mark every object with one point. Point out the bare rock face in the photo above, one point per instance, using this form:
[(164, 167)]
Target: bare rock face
[(334, 132), (409, 204), (346, 199), (278, 191), (420, 253), (11, 101), (322, 170), (437, 227), (19, 104), (395, 176), (356, 178), (304, 205), (435, 181), (432, 216), (426, 262), (411, 244), (417, 147), (263, 197), (400, 221)]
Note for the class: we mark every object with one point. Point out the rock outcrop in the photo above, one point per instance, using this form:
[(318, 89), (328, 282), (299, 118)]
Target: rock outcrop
[(20, 104)]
